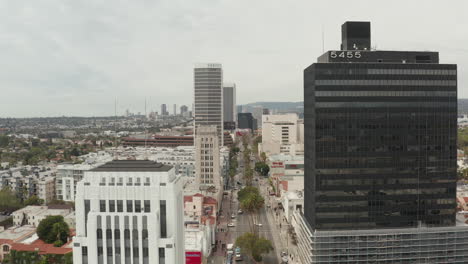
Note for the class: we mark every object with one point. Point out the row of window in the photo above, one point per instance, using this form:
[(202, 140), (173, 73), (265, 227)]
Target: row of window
[(386, 93), (387, 71), (121, 181), (388, 82), (113, 206), (385, 104)]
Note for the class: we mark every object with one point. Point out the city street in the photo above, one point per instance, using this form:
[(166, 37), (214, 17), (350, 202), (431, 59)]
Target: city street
[(243, 223)]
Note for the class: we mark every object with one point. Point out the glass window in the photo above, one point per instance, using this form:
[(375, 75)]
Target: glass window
[(137, 206), (129, 206), (119, 206), (163, 223), (147, 206), (162, 255), (111, 206), (102, 205)]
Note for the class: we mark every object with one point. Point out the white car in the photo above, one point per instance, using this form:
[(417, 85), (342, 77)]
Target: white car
[(258, 224), (233, 216), (231, 225)]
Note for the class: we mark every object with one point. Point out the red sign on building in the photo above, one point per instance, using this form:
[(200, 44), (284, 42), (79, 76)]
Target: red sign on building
[(193, 257)]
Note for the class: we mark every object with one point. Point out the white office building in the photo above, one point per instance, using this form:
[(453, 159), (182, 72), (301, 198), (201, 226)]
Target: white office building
[(282, 134), (208, 101), (129, 211), (207, 159)]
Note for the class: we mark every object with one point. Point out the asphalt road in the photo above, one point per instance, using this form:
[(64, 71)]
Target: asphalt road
[(244, 223)]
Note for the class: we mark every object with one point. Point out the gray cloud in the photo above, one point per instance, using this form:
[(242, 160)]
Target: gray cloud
[(68, 57)]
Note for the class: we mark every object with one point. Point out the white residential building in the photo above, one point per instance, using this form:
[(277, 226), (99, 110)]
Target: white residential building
[(68, 175), (46, 189), (34, 214), (129, 211), (282, 134)]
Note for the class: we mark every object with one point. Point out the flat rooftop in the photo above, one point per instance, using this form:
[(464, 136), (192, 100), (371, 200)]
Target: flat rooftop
[(133, 165)]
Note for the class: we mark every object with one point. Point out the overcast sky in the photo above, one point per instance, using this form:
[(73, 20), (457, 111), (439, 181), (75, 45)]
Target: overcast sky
[(74, 57)]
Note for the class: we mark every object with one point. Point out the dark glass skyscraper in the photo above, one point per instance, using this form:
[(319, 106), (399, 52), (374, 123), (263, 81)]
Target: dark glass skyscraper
[(380, 137)]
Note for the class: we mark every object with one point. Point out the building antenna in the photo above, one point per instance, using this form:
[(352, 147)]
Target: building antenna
[(323, 40), (146, 134), (115, 129)]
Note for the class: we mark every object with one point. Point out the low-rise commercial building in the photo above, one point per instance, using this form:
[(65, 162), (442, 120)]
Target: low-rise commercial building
[(33, 214)]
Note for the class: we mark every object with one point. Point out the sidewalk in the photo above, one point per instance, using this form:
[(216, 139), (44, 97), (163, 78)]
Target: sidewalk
[(285, 242)]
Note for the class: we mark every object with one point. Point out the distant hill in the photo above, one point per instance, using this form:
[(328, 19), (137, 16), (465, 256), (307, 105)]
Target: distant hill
[(277, 107), (298, 107)]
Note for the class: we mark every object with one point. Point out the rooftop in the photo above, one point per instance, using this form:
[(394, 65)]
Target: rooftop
[(133, 165), (18, 233)]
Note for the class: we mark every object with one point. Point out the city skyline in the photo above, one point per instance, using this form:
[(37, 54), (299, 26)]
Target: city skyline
[(98, 53)]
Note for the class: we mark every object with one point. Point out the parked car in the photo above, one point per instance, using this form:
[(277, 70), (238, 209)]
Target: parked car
[(233, 216), (231, 225), (240, 211)]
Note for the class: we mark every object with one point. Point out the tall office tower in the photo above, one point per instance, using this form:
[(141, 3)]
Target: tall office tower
[(246, 121), (183, 110), (129, 211), (229, 103), (175, 109), (207, 162), (257, 113), (208, 103), (163, 109), (380, 153)]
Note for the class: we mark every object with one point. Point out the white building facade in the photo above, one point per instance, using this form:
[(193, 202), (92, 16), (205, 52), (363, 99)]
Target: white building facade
[(282, 134), (129, 211), (68, 175), (207, 157)]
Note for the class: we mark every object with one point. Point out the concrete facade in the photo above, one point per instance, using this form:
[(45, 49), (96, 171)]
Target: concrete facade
[(129, 212)]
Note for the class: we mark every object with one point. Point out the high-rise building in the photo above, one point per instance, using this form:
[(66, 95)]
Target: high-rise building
[(183, 110), (175, 110), (164, 109), (207, 160), (129, 211), (246, 121), (229, 102), (380, 152), (257, 113), (208, 102)]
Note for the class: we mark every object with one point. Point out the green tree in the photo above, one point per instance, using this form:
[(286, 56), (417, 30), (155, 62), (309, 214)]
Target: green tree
[(254, 246), (251, 201), (75, 152), (4, 141), (262, 168), (9, 200), (53, 228), (33, 200)]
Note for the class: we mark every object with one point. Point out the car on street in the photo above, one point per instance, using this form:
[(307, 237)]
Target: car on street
[(233, 216), (231, 225), (284, 258), (238, 254), (259, 224), (240, 211), (229, 258)]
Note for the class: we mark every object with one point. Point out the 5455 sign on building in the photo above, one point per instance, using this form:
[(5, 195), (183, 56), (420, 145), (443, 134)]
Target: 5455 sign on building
[(345, 54)]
